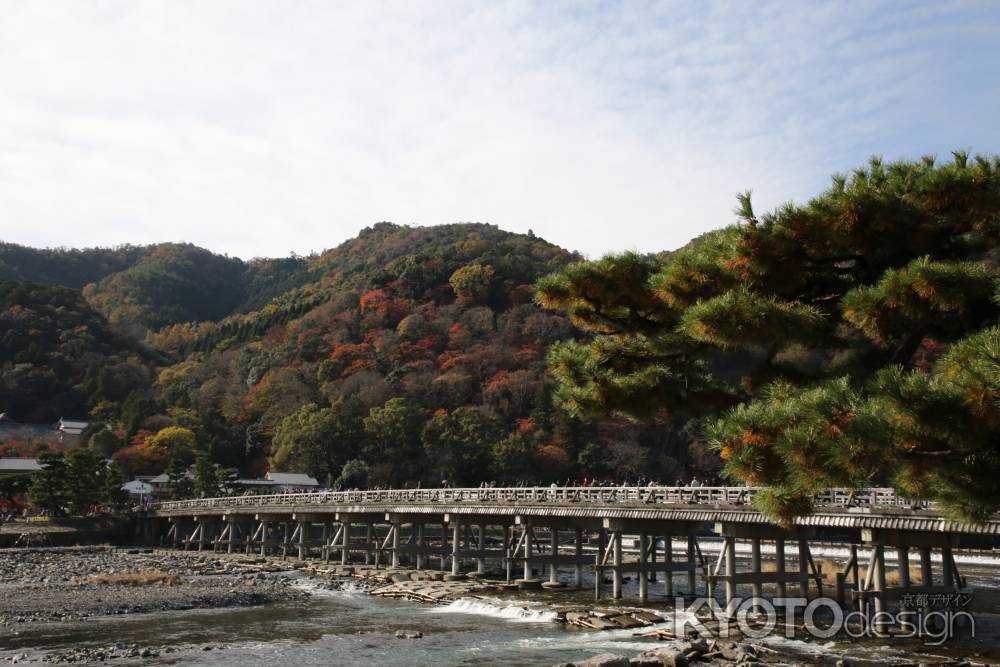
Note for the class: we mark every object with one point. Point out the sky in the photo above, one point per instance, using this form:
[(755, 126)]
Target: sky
[(265, 128)]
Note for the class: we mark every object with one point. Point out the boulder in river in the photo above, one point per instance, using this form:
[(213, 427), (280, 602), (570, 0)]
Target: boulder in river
[(409, 634), (668, 657)]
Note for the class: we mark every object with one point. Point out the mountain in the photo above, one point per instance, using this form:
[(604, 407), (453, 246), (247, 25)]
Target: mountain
[(405, 354), (59, 357), (147, 287)]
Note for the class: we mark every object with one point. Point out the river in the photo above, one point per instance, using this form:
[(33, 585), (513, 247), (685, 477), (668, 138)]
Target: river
[(349, 627)]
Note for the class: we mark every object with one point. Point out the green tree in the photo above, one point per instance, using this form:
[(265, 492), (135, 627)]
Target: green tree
[(459, 443), (393, 432), (354, 475), (49, 488), (810, 337), (104, 443), (318, 440), (113, 496), (473, 281), (84, 480), (178, 442), (179, 485), (206, 483), (512, 457)]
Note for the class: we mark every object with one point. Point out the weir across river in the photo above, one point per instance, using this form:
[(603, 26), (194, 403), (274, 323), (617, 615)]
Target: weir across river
[(611, 531)]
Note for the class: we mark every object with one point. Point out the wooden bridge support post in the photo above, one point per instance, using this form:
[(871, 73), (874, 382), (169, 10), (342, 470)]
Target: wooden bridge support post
[(508, 556), (903, 562), (420, 546), (445, 550), (481, 546), (668, 558), (578, 552), (233, 530), (528, 546), (804, 567), (779, 564), (250, 538), (616, 561), (303, 534), (692, 548), (396, 528), (755, 567), (878, 561), (265, 534), (368, 543), (643, 575), (345, 542), (651, 550), (456, 545), (856, 567), (730, 547), (202, 530), (554, 548), (218, 538), (947, 567), (926, 573)]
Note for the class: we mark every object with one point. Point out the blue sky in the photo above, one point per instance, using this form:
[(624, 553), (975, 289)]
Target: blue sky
[(259, 128)]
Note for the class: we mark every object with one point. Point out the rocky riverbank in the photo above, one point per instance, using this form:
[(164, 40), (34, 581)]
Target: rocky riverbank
[(73, 584)]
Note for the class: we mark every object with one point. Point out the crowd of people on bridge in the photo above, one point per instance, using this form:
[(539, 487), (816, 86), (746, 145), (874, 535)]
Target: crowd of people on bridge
[(586, 482)]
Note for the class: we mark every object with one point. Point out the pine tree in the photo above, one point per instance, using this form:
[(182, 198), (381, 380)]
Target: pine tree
[(179, 485), (49, 486), (811, 337), (113, 496)]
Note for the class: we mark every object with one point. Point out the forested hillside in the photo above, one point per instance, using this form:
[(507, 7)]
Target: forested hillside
[(407, 354), (60, 358), (147, 287)]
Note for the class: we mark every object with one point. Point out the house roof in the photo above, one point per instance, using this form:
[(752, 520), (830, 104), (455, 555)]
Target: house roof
[(292, 478), (137, 486), (19, 465)]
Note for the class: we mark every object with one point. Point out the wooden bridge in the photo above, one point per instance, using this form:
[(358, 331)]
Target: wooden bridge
[(608, 530)]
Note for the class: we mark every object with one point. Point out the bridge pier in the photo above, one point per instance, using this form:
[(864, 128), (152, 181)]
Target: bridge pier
[(875, 588), (756, 577)]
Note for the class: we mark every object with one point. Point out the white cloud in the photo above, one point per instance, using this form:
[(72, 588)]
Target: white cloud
[(261, 128)]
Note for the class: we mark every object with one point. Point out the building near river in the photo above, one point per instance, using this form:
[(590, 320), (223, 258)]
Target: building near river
[(291, 482), (10, 467), (64, 431), (273, 482)]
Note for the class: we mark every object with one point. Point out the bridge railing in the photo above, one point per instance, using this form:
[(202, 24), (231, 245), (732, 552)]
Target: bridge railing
[(594, 495)]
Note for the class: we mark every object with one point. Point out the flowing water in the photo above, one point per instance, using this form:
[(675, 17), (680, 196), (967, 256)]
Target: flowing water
[(349, 627)]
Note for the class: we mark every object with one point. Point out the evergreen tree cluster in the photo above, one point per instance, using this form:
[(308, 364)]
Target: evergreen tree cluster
[(850, 341)]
